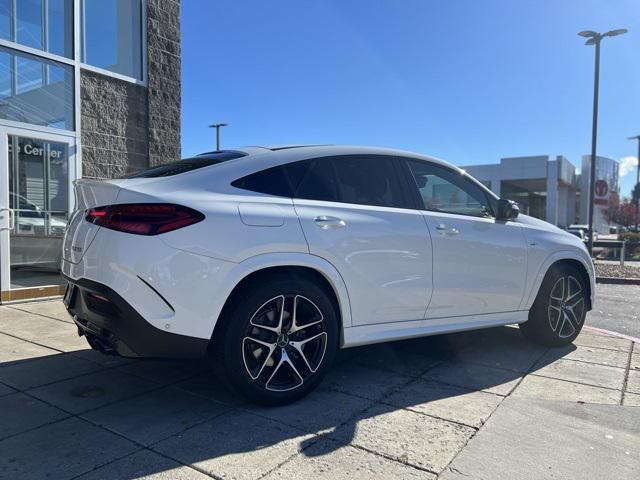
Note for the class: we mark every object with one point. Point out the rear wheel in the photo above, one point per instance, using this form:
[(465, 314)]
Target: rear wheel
[(278, 340), (557, 315)]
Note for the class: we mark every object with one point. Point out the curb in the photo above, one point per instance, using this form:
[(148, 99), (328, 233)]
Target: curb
[(618, 281), (612, 334)]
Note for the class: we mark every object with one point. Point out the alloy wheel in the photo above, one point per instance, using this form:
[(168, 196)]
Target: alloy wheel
[(566, 306), (285, 343)]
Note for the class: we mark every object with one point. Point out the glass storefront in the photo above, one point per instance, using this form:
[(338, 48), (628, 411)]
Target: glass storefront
[(39, 199), (36, 170), (531, 195), (112, 35), (36, 91), (39, 112), (45, 25)]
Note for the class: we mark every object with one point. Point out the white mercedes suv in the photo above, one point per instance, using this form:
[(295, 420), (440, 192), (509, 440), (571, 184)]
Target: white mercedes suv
[(268, 260)]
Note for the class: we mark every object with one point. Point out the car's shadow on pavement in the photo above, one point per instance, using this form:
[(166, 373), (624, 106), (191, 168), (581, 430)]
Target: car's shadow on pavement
[(418, 401)]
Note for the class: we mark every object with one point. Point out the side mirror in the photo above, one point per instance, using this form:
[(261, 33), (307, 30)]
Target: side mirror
[(507, 209)]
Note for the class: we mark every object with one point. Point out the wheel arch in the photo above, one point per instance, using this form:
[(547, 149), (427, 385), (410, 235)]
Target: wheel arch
[(565, 258), (579, 266), (316, 269)]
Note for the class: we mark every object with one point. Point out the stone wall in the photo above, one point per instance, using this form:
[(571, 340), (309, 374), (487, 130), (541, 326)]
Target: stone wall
[(127, 127), (163, 51), (115, 126)]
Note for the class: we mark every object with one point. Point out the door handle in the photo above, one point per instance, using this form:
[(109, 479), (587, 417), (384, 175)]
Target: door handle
[(444, 230), (324, 222)]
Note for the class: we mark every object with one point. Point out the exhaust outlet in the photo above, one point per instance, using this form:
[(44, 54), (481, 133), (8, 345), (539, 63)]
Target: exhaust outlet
[(99, 345)]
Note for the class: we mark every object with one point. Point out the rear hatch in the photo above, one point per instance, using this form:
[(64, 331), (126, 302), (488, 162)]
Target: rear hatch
[(80, 233), (96, 193)]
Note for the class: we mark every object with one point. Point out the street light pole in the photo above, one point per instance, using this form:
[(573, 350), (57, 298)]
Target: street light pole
[(218, 126), (594, 38), (594, 141)]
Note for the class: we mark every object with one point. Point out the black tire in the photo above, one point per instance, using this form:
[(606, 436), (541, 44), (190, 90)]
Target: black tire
[(558, 312), (290, 364)]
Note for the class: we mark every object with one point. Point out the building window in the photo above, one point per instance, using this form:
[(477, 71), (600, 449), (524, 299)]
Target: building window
[(45, 25), (36, 91), (531, 195), (112, 35)]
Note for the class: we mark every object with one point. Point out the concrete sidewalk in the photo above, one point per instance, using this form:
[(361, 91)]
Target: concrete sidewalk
[(485, 405)]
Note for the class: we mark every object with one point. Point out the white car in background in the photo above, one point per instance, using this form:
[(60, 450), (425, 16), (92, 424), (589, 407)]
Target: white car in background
[(578, 232), (585, 230), (268, 260), (36, 238)]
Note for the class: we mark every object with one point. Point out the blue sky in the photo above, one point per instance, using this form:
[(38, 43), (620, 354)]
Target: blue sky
[(469, 81)]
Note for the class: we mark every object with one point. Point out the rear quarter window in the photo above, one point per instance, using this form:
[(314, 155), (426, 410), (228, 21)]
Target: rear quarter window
[(280, 181)]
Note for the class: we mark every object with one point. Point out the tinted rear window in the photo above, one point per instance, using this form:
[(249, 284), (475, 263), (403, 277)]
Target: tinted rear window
[(368, 180), (187, 165), (319, 183), (280, 181)]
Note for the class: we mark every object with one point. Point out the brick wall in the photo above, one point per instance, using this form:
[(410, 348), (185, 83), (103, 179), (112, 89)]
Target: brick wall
[(128, 127)]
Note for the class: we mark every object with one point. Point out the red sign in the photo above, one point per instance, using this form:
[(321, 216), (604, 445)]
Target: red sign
[(602, 188)]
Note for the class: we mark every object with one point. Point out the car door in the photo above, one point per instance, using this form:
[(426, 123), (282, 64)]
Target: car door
[(479, 262), (354, 213)]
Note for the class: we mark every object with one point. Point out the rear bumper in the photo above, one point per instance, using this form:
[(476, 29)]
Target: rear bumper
[(113, 326)]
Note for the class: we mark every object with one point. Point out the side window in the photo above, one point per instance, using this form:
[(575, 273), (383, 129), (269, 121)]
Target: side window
[(280, 181), (444, 190), (319, 182), (368, 180)]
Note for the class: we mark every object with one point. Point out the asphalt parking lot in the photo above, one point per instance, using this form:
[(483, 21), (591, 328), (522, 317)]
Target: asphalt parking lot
[(473, 405), (617, 308)]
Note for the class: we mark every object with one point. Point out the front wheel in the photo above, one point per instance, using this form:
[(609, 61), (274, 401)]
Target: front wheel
[(279, 340), (558, 312)]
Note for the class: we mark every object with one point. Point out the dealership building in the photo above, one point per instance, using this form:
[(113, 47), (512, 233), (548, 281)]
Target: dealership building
[(88, 88), (550, 189), (607, 183)]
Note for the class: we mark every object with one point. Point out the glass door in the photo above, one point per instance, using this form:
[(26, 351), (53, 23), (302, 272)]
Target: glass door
[(36, 171)]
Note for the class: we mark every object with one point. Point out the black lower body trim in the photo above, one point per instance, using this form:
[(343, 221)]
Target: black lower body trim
[(113, 326)]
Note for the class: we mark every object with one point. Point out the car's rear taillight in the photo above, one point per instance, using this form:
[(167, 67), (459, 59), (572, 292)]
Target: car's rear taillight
[(143, 218)]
